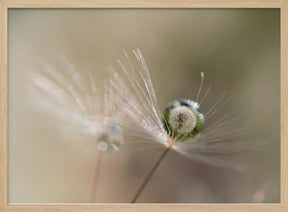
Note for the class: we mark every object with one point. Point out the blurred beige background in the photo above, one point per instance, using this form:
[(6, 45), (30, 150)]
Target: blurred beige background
[(239, 51)]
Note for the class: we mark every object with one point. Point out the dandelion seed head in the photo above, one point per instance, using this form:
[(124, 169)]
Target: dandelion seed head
[(72, 96), (111, 139), (183, 119), (179, 127)]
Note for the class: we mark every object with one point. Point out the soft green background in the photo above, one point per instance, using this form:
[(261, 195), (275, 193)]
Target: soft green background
[(239, 51)]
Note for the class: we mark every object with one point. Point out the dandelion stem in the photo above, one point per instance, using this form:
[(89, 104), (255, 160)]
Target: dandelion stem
[(96, 177), (143, 185)]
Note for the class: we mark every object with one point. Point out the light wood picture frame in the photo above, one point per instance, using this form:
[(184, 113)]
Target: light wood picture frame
[(6, 4)]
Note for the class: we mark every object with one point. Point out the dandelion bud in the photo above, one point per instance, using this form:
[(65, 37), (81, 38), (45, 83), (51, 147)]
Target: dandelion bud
[(182, 119), (111, 139)]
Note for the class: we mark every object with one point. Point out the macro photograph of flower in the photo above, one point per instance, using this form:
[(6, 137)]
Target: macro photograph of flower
[(143, 106)]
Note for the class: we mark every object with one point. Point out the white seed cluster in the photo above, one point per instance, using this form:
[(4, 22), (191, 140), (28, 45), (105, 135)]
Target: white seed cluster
[(182, 119)]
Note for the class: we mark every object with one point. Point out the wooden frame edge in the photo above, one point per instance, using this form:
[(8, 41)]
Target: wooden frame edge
[(6, 4)]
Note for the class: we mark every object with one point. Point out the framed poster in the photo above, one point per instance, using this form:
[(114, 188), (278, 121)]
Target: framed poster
[(149, 106)]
